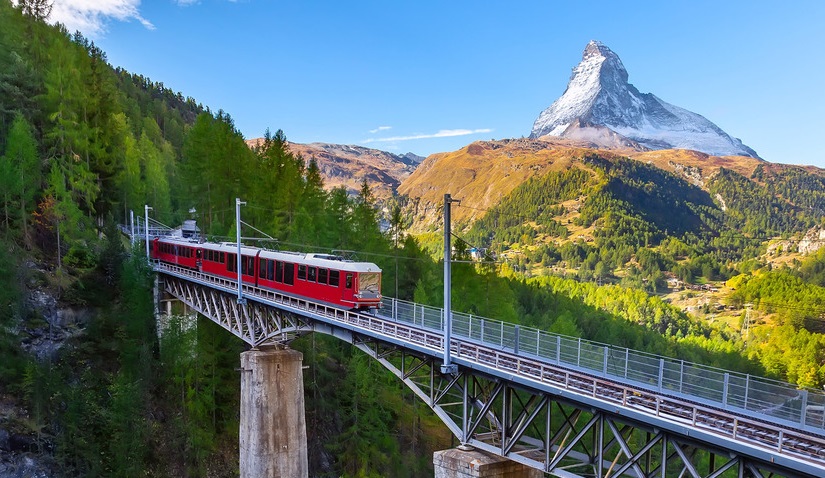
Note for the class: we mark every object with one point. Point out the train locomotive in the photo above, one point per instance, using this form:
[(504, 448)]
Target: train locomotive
[(318, 277)]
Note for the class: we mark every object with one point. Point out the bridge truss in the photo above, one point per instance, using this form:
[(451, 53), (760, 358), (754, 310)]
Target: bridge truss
[(564, 422)]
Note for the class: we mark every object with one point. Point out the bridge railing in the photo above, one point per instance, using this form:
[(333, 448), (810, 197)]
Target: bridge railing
[(757, 396)]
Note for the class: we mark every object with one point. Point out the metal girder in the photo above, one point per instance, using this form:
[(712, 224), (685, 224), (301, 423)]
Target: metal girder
[(254, 323), (552, 433)]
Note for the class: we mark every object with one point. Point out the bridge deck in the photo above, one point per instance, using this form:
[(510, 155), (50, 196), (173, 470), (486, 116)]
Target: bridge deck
[(768, 420)]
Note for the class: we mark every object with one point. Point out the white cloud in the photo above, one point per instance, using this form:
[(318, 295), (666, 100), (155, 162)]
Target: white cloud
[(444, 133), (380, 128), (91, 16)]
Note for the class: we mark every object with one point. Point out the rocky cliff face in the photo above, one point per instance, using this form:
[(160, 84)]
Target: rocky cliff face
[(599, 96)]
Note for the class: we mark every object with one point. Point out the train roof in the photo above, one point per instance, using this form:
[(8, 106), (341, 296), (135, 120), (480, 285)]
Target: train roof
[(321, 260), (318, 260), (179, 240), (231, 248)]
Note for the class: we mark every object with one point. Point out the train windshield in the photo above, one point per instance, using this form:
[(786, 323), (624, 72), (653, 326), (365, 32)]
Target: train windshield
[(369, 282)]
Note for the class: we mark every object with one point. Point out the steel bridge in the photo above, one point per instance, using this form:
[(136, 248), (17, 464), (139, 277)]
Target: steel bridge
[(566, 406)]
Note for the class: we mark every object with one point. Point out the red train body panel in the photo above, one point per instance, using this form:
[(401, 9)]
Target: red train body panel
[(318, 277)]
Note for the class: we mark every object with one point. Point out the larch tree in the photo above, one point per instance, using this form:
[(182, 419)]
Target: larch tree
[(157, 183), (22, 165)]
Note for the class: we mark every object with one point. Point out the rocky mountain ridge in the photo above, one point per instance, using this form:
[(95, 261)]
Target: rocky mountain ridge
[(348, 165), (484, 172), (598, 97)]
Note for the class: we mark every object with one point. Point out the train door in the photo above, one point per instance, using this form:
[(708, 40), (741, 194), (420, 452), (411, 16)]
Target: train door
[(349, 286)]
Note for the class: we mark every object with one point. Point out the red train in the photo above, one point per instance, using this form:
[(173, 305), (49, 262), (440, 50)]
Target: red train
[(318, 277)]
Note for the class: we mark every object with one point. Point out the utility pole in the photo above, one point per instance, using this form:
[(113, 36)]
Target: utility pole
[(746, 325), (146, 210), (447, 366), (132, 227), (238, 204)]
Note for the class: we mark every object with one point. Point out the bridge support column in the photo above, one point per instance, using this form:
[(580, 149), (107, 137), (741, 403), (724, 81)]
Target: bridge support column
[(457, 463), (273, 439)]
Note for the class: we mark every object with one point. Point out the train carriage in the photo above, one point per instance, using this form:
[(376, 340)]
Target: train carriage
[(181, 252), (318, 277), (322, 277), (222, 260)]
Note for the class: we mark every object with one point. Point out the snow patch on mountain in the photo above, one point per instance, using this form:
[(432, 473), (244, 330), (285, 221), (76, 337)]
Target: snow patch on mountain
[(598, 94)]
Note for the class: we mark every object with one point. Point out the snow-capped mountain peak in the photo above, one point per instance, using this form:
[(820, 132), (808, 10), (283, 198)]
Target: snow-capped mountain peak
[(599, 95)]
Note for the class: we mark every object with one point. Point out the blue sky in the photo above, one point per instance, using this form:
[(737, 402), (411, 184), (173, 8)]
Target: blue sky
[(432, 76)]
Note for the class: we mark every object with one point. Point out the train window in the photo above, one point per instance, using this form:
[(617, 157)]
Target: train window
[(349, 280), (302, 272), (322, 275), (270, 270), (250, 266), (262, 268), (289, 273), (230, 263), (223, 257), (334, 278), (279, 271), (311, 276)]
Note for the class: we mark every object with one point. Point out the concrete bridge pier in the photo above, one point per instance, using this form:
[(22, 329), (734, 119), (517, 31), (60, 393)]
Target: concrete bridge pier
[(473, 463), (163, 310), (273, 439)]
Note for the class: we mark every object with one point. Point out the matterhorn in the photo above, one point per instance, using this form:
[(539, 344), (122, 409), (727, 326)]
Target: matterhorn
[(600, 106)]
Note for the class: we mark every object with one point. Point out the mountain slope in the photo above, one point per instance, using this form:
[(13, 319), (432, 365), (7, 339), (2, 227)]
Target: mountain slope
[(599, 94), (483, 173)]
